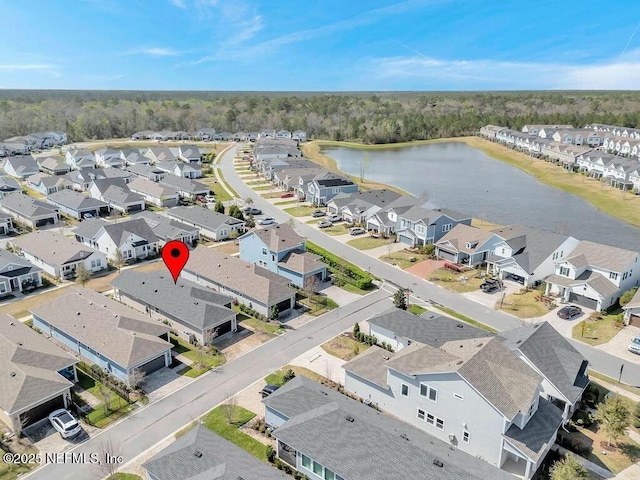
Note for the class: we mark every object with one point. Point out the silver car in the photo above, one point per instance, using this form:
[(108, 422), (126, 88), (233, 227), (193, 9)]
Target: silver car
[(634, 346)]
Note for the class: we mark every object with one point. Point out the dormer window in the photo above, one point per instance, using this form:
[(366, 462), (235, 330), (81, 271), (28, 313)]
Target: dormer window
[(613, 275)]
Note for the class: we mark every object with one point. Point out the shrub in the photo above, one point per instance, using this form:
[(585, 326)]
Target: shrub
[(289, 375), (636, 423), (352, 274), (271, 454)]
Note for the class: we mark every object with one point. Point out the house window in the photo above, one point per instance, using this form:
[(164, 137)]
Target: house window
[(446, 227), (458, 396), (430, 419), (329, 475), (421, 414), (273, 258), (465, 437), (264, 251), (429, 392), (93, 264), (306, 462), (317, 468), (440, 423), (405, 390), (613, 275), (564, 271)]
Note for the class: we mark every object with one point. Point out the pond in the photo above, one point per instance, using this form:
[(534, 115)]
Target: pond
[(457, 176)]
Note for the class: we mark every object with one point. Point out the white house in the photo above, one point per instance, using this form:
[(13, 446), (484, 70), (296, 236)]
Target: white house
[(632, 311)]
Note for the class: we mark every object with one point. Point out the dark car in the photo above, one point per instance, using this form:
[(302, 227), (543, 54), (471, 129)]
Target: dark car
[(569, 312), (268, 390), (490, 285), (318, 213), (252, 211)]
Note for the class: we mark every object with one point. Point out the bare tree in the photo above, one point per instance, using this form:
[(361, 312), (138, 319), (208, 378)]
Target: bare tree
[(230, 407), (118, 260), (364, 163), (82, 274), (136, 377), (110, 455), (310, 286), (105, 395), (248, 200), (389, 244)]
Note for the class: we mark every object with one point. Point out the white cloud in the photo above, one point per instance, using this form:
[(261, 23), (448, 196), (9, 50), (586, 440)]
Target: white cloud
[(481, 74), (178, 3), (154, 52)]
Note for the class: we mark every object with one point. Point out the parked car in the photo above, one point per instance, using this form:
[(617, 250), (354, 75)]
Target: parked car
[(318, 213), (87, 215), (569, 312), (634, 346), (357, 231), (490, 285), (200, 198), (210, 198), (252, 211), (287, 195), (268, 390), (64, 423), (324, 224), (334, 218), (266, 221)]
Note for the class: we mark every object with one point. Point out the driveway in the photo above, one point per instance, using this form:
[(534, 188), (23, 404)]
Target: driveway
[(425, 268), (563, 326), (490, 299), (618, 344), (47, 440), (163, 382), (337, 294), (320, 362)]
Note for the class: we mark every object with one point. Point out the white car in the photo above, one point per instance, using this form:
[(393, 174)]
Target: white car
[(334, 218), (357, 231), (267, 221), (634, 346), (64, 423), (210, 198)]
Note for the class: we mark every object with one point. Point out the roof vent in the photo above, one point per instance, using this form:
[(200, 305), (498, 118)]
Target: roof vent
[(77, 313), (438, 463), (20, 343), (197, 453), (459, 362), (115, 315), (459, 325), (480, 344), (404, 436), (143, 282), (155, 291), (349, 418), (12, 324), (13, 374), (519, 341), (385, 357)]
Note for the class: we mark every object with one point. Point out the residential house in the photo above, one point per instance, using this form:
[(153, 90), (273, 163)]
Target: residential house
[(117, 195), (78, 205), (134, 238), (387, 221), (634, 178), (467, 390), (17, 146), (38, 375), (201, 454), (249, 284), (536, 129), (423, 224), (327, 435), (291, 179), (267, 133), (206, 134), (155, 193), (490, 131), (159, 154), (167, 229), (17, 274), (239, 137), (47, 184), (284, 134), (28, 211), (357, 207), (467, 245), (132, 156), (299, 135), (109, 158), (563, 368), (326, 186), (180, 169), (58, 255), (143, 135), (53, 165), (150, 172), (196, 312), (213, 225), (632, 311), (527, 255), (281, 250), (81, 179), (105, 333), (578, 137), (187, 188), (252, 136), (594, 275), (8, 185), (6, 223), (21, 167), (80, 158), (189, 154)]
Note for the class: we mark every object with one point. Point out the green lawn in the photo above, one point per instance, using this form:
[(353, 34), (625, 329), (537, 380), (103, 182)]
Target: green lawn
[(12, 471), (255, 182), (417, 309), (286, 202), (366, 242), (117, 406), (263, 188), (270, 328), (190, 372), (343, 347), (614, 381), (455, 282), (403, 258), (277, 377), (598, 328), (318, 304), (271, 195), (219, 192), (301, 211), (190, 352), (217, 422), (340, 228), (126, 476), (524, 305), (466, 319)]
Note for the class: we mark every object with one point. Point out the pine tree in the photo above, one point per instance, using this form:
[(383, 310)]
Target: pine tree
[(400, 299)]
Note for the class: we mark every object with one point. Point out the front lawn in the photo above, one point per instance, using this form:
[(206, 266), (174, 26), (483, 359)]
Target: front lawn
[(266, 327), (263, 188), (277, 377), (403, 258), (317, 305), (126, 476), (286, 202), (345, 348), (301, 210), (203, 358), (217, 422), (271, 195), (191, 372), (464, 318), (218, 190), (366, 242), (340, 228), (113, 406), (523, 305), (598, 328), (457, 282), (416, 309)]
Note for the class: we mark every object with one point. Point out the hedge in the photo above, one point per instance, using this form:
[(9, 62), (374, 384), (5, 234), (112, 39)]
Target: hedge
[(352, 274)]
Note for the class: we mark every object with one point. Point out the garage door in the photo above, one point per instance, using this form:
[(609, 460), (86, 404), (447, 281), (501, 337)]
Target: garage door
[(153, 365), (582, 300), (284, 306), (447, 255), (405, 240), (222, 329), (634, 321), (135, 208), (45, 221), (41, 411)]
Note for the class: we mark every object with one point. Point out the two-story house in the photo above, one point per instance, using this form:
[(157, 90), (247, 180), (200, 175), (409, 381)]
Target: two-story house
[(80, 158), (424, 224), (467, 245), (387, 221), (189, 154), (527, 255), (357, 207), (281, 250), (181, 169), (326, 186), (108, 158), (594, 275)]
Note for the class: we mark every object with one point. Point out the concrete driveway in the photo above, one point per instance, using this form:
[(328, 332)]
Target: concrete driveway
[(319, 361), (163, 382), (337, 294), (47, 440), (490, 299), (618, 344)]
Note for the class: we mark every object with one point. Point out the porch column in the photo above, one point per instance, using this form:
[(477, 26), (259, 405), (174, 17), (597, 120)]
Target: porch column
[(527, 470), (565, 414), (75, 374), (547, 286)]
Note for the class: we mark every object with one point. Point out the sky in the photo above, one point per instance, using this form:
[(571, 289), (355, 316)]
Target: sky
[(329, 45)]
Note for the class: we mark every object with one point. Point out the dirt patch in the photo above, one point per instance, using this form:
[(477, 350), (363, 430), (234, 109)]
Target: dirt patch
[(230, 248), (241, 342), (425, 268)]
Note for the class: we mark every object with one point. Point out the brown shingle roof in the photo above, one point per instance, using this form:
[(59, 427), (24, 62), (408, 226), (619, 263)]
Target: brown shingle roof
[(279, 238), (301, 262), (604, 256)]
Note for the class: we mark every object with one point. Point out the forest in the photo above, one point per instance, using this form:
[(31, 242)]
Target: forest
[(369, 117)]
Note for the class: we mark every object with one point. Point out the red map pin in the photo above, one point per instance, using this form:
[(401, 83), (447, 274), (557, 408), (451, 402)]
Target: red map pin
[(175, 255)]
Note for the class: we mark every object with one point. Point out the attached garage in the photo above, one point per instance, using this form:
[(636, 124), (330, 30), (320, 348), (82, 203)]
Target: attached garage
[(445, 255), (583, 301), (634, 320), (45, 221), (41, 411), (135, 208), (222, 329), (153, 365), (405, 239), (284, 306)]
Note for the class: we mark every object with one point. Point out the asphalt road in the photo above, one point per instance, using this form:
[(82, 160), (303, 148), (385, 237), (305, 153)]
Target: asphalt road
[(599, 360), (145, 428)]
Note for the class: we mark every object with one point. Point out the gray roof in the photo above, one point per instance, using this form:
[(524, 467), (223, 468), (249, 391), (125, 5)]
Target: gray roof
[(53, 248), (430, 328), (164, 227), (118, 231), (53, 163), (403, 203), (381, 198), (121, 195), (220, 460), (185, 184), (202, 217), (552, 355), (371, 447), (75, 200), (8, 259), (147, 187), (144, 170), (189, 151), (118, 332), (302, 262), (29, 364), (533, 440), (598, 282), (23, 164), (187, 302), (27, 206), (605, 256), (246, 278), (159, 153), (462, 235), (9, 184), (372, 365), (278, 238), (430, 215)]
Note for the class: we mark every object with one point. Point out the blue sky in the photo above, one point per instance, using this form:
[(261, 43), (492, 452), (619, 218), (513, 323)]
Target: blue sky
[(320, 45)]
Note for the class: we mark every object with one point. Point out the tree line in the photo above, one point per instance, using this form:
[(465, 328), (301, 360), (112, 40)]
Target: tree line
[(360, 116)]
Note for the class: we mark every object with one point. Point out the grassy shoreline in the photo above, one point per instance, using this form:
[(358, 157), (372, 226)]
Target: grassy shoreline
[(616, 203)]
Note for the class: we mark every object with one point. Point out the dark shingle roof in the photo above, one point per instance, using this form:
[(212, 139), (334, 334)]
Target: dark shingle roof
[(164, 227), (27, 206), (185, 184), (202, 217), (117, 231), (75, 200)]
